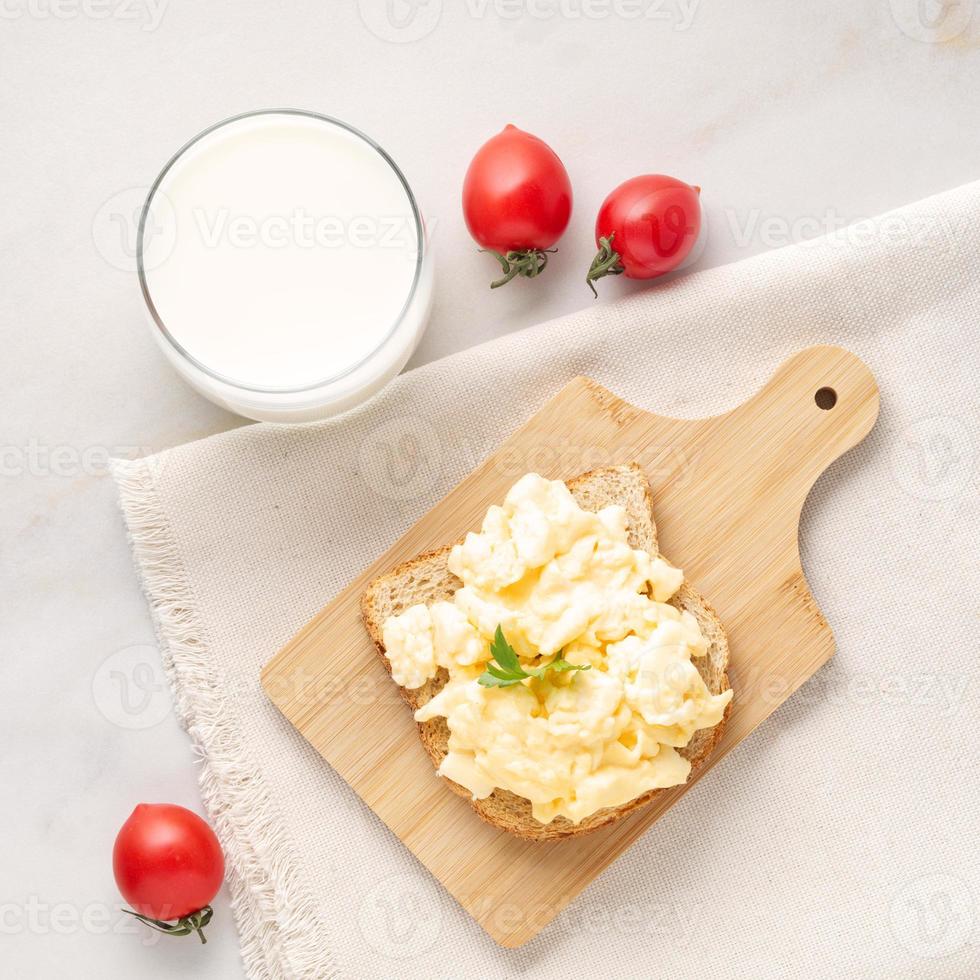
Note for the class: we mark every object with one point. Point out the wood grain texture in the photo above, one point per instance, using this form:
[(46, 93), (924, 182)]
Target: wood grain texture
[(728, 492)]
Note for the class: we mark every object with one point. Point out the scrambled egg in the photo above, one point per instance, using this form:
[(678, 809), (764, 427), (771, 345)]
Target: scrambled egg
[(559, 579)]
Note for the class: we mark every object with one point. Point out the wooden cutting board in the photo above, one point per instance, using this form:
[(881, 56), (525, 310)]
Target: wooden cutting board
[(727, 498)]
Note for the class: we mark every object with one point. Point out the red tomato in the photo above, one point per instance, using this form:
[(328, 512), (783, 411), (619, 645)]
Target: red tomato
[(647, 226), (167, 861), (517, 200)]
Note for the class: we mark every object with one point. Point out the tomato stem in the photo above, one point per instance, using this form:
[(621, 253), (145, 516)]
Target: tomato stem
[(529, 262), (195, 922), (606, 263)]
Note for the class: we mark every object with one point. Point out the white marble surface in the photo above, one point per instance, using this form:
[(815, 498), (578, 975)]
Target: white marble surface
[(791, 117)]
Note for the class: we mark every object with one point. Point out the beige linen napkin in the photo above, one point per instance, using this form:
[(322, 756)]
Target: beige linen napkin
[(840, 839)]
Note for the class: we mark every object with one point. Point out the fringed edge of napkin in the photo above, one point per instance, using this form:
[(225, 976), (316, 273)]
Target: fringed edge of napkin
[(279, 928)]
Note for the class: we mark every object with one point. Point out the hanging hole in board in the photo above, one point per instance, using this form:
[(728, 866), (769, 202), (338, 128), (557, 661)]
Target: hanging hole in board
[(826, 398)]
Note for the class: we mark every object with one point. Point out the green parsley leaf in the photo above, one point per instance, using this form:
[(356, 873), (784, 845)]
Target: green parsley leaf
[(507, 670), (504, 653)]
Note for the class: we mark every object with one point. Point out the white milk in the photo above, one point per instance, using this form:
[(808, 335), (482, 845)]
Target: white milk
[(284, 266)]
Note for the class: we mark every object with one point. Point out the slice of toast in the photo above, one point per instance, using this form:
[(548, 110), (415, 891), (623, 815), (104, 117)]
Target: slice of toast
[(427, 579)]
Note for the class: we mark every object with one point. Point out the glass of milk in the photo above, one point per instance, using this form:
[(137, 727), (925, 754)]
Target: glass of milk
[(284, 265)]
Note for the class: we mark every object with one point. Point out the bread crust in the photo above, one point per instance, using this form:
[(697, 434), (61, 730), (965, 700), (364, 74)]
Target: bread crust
[(426, 578)]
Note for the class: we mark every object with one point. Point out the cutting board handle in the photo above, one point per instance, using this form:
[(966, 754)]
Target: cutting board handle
[(820, 403)]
